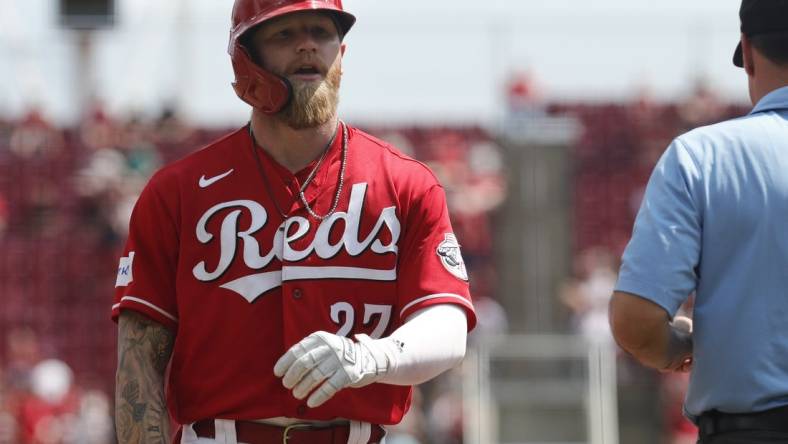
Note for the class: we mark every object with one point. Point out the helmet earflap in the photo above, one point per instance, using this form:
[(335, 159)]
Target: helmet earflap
[(258, 87)]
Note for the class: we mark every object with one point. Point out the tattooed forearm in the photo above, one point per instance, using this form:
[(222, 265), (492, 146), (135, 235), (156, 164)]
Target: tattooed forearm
[(144, 348)]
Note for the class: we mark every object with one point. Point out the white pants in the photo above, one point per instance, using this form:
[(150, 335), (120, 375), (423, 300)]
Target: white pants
[(360, 433)]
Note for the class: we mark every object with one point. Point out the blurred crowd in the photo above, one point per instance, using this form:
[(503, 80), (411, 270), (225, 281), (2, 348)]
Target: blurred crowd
[(66, 195), (41, 403)]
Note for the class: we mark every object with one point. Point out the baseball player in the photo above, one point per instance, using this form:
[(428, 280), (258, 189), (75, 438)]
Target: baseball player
[(291, 281), (712, 223)]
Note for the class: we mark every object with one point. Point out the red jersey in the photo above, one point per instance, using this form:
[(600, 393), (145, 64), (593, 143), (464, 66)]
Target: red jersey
[(210, 256)]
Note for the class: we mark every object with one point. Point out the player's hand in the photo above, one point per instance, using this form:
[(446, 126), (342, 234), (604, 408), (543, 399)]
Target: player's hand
[(327, 363)]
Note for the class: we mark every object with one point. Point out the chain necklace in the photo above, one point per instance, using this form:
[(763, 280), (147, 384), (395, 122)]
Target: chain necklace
[(310, 177)]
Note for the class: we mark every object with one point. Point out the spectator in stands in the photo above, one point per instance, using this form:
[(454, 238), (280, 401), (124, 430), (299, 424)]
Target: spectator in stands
[(523, 96), (484, 186), (34, 136), (587, 294), (138, 147), (97, 130), (23, 353), (169, 129), (95, 422), (49, 413), (490, 315), (114, 175), (643, 109), (702, 107), (98, 185)]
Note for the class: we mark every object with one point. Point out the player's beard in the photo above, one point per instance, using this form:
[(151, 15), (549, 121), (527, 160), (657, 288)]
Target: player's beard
[(313, 103)]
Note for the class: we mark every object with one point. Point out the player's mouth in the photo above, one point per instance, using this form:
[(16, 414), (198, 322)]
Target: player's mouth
[(307, 73)]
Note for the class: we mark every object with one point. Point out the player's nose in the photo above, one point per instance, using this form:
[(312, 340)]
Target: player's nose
[(306, 42)]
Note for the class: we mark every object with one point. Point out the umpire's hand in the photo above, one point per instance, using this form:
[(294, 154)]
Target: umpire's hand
[(682, 329)]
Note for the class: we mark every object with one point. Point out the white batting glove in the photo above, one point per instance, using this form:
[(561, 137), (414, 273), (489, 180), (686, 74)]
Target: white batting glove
[(331, 362)]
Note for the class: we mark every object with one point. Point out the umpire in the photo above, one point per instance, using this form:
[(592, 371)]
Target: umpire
[(714, 221)]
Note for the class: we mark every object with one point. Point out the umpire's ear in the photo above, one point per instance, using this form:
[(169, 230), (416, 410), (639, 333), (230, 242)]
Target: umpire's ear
[(747, 58)]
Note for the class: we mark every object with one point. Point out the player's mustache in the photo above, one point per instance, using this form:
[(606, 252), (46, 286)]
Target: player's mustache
[(307, 62)]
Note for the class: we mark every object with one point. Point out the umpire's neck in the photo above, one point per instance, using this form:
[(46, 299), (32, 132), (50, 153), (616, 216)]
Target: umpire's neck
[(292, 148), (764, 75)]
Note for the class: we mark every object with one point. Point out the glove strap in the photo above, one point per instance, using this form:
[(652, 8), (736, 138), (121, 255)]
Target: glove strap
[(377, 353)]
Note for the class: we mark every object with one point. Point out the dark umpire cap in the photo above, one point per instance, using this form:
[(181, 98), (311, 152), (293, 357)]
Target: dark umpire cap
[(761, 17)]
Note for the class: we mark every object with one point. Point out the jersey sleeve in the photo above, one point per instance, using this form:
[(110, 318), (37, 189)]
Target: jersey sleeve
[(431, 270), (660, 261), (147, 271)]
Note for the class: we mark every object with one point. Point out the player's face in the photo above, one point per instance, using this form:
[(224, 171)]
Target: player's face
[(301, 46), (305, 48)]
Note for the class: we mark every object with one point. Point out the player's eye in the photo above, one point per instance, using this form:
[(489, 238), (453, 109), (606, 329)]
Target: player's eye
[(320, 32), (282, 34)]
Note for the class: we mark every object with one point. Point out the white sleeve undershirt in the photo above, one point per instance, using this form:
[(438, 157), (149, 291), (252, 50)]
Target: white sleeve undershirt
[(431, 341)]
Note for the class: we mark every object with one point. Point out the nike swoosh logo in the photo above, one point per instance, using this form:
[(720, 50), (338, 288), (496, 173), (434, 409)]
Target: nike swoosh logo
[(208, 182)]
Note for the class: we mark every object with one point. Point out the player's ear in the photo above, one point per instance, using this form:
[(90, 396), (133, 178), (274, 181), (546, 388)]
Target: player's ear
[(342, 48)]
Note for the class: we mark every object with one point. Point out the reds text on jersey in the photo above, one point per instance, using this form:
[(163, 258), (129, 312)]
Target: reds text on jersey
[(210, 257)]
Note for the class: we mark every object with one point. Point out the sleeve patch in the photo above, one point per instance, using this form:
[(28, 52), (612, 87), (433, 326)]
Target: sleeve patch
[(124, 270), (449, 253)]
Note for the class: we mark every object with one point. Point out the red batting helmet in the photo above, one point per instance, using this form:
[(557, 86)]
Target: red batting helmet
[(253, 84)]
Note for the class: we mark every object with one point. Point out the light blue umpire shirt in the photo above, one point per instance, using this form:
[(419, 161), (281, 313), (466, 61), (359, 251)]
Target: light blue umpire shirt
[(714, 221)]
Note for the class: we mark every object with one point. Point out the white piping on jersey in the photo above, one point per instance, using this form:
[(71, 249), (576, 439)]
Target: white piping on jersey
[(147, 304), (371, 274), (252, 286), (461, 299)]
